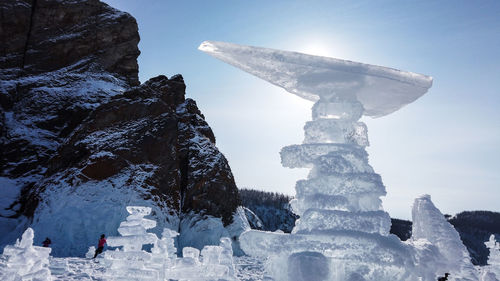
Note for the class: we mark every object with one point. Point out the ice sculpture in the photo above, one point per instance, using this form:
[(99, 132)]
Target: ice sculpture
[(493, 267), (23, 261), (132, 263), (216, 263), (343, 230), (430, 225)]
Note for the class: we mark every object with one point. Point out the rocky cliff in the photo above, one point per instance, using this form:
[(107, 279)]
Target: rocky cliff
[(81, 139)]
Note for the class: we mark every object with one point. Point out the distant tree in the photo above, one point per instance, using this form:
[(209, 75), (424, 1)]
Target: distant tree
[(272, 208)]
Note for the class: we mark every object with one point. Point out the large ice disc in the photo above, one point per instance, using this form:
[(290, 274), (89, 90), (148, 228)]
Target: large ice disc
[(381, 90)]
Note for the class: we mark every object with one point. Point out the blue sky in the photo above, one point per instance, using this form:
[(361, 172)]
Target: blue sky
[(446, 144)]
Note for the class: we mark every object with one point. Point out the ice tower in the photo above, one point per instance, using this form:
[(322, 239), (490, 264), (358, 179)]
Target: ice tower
[(343, 231)]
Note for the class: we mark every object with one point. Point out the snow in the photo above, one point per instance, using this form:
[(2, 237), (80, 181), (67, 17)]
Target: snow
[(380, 90), (218, 263)]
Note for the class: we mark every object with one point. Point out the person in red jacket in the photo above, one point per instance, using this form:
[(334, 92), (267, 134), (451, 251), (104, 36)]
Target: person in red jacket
[(100, 245), (46, 242)]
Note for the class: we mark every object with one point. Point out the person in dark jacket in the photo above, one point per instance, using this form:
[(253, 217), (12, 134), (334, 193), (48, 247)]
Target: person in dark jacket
[(46, 243), (100, 245), (444, 278)]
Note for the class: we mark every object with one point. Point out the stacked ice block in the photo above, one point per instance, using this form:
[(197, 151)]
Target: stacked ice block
[(343, 232), (131, 262)]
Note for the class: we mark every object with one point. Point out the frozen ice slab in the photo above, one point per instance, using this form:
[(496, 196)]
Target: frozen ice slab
[(351, 203), (369, 222), (336, 131), (342, 245), (345, 184), (337, 158), (381, 90)]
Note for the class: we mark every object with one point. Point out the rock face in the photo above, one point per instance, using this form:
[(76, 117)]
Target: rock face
[(152, 125), (46, 35), (81, 139)]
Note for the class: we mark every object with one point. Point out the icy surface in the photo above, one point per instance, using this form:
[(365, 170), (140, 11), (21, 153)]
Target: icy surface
[(23, 261), (380, 90)]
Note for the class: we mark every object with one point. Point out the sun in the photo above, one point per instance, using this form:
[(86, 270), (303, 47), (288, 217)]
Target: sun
[(316, 48)]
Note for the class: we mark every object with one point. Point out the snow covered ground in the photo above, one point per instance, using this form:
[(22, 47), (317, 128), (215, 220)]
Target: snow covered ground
[(72, 269)]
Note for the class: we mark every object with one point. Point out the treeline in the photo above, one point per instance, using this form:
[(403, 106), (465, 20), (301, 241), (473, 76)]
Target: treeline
[(474, 228), (272, 208), (252, 197)]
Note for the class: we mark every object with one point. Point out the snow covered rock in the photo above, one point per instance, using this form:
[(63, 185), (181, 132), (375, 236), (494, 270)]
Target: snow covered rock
[(23, 261), (80, 138), (47, 35), (149, 146), (59, 60)]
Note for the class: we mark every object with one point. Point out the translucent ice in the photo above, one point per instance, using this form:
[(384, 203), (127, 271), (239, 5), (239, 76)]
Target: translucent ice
[(430, 224), (23, 261), (332, 158), (370, 222), (354, 183), (308, 266), (343, 232), (132, 263), (335, 131), (214, 263), (380, 90)]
